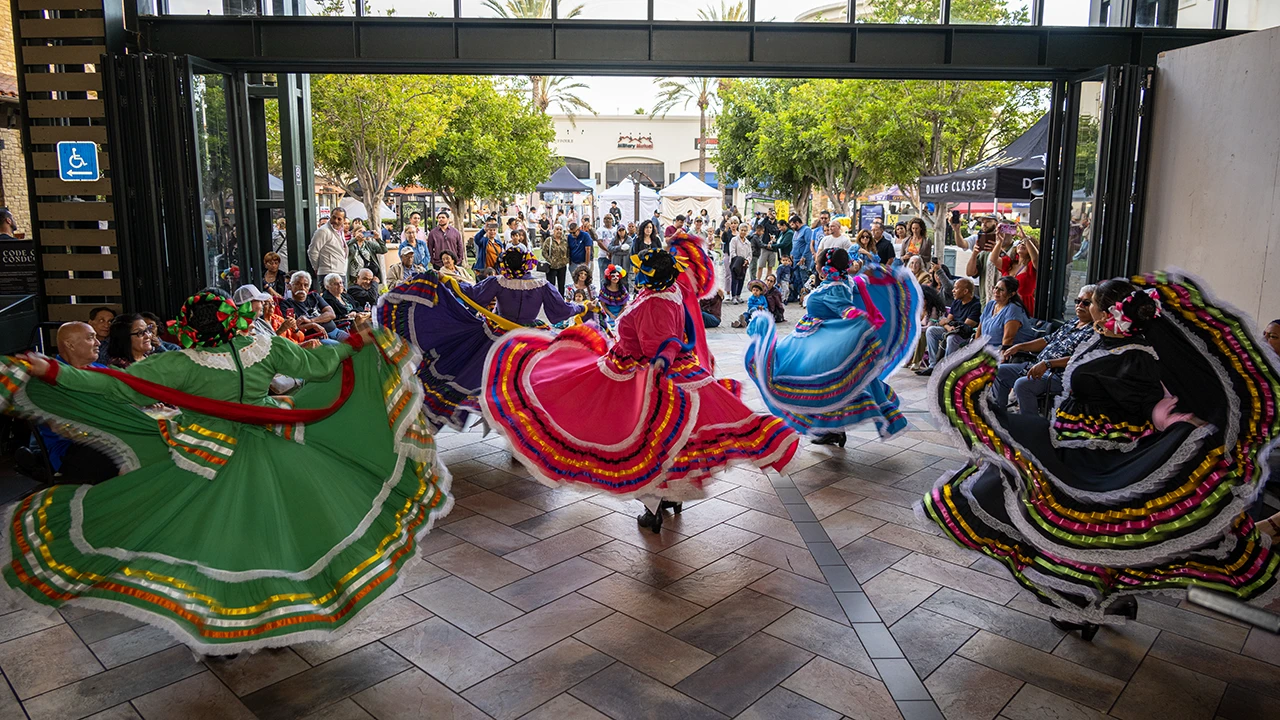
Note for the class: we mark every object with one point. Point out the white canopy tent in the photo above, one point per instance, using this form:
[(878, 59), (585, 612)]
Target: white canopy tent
[(355, 210), (688, 196), (624, 193)]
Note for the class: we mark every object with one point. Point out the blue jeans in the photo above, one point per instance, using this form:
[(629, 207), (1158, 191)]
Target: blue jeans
[(934, 336), (1013, 377), (799, 276), (338, 335), (709, 320)]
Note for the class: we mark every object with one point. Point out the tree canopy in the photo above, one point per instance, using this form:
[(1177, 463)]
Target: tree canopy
[(367, 128), (493, 143)]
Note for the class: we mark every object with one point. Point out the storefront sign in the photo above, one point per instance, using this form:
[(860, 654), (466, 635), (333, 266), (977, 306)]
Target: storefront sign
[(636, 142), (18, 274), (710, 142)]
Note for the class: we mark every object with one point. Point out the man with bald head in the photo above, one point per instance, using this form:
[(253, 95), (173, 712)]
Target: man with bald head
[(77, 347)]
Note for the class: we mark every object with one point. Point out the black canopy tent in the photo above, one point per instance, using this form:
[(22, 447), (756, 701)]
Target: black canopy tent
[(1005, 175), (563, 180)]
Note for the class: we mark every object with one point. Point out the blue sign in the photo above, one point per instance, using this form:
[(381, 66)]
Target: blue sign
[(867, 213), (78, 161)]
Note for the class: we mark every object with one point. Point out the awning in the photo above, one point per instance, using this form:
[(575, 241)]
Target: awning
[(1005, 175), (563, 180), (711, 179)]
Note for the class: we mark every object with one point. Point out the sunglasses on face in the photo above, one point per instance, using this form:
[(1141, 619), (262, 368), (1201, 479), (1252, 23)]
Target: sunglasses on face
[(1083, 302)]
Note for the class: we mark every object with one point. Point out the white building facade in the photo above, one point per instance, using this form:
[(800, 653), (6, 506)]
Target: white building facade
[(603, 150)]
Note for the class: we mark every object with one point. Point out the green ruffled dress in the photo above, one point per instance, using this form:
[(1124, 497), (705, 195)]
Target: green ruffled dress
[(232, 536)]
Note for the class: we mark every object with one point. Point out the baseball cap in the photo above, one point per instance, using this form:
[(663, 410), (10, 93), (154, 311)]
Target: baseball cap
[(248, 293), (406, 249)]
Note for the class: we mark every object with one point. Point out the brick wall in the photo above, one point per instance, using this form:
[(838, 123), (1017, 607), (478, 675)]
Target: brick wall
[(13, 164)]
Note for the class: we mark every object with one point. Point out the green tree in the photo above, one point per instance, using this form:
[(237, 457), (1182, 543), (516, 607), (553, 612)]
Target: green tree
[(494, 144), (367, 128), (559, 92), (983, 12), (528, 9), (744, 105), (701, 91), (1086, 154)]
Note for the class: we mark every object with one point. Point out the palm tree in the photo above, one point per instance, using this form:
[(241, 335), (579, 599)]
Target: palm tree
[(702, 92), (527, 8), (736, 12), (561, 92)]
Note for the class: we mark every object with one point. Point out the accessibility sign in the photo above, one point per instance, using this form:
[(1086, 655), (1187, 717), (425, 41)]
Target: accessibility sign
[(78, 161)]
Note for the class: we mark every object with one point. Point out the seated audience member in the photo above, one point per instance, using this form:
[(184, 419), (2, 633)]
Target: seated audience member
[(711, 309), (405, 269), (1004, 319), (314, 316), (1031, 381), (100, 319), (1272, 335), (365, 292), (957, 328), (449, 266), (757, 302), (773, 299), (344, 308), (128, 341), (275, 278), (156, 328), (77, 463)]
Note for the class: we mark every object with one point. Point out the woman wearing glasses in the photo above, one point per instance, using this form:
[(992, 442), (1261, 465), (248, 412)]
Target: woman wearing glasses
[(128, 341)]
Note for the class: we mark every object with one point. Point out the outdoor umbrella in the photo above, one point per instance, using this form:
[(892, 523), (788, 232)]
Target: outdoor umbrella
[(563, 180)]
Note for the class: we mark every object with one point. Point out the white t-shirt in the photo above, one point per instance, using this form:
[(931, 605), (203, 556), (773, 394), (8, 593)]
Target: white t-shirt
[(831, 241)]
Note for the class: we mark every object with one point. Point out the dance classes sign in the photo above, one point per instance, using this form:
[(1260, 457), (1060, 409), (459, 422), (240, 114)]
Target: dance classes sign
[(1006, 175)]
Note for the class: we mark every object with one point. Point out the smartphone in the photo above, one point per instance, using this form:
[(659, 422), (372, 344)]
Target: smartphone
[(986, 241), (290, 313), (955, 216), (1007, 229)]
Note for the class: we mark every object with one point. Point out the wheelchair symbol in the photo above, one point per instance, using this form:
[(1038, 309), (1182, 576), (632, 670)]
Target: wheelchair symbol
[(78, 161)]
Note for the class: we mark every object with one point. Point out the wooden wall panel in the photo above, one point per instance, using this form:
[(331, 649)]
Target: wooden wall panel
[(60, 44)]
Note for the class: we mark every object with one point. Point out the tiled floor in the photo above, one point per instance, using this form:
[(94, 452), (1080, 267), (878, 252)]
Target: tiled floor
[(817, 594)]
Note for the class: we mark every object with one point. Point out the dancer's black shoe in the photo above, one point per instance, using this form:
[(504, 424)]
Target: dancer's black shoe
[(831, 439), (651, 520), (1087, 630), (1126, 606), (675, 507)]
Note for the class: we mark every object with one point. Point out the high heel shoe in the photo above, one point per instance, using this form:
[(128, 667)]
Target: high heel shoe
[(831, 439), (1087, 630), (651, 520)]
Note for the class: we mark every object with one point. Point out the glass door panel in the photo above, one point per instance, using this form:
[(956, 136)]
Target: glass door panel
[(219, 202), (1083, 173)]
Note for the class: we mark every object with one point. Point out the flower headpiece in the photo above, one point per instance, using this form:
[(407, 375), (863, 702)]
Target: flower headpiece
[(232, 321), (530, 262), (1121, 321), (657, 269), (614, 269)]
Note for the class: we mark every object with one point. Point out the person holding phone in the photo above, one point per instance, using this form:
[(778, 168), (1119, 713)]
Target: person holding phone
[(987, 260)]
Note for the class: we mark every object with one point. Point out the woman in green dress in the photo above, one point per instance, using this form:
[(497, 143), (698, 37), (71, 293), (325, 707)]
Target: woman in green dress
[(240, 520)]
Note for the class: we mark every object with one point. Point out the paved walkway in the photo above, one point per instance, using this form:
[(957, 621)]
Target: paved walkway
[(814, 595)]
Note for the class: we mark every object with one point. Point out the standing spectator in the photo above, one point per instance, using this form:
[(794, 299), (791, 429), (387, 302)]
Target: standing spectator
[(415, 237), (956, 328), (649, 237), (365, 290), (405, 269), (544, 226), (580, 240), (100, 319), (835, 238), (387, 234), (328, 249), (128, 341), (818, 231), (801, 256), (759, 243), (444, 237), (1032, 381), (739, 261), (987, 265), (620, 248), (657, 223), (727, 233), (675, 227), (280, 242), (604, 238), (512, 224), (364, 250), (884, 246), (489, 247), (555, 253), (616, 212), (1021, 264)]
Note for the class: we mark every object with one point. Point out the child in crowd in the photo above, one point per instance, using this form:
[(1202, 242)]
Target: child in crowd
[(613, 296), (756, 302), (785, 270)]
